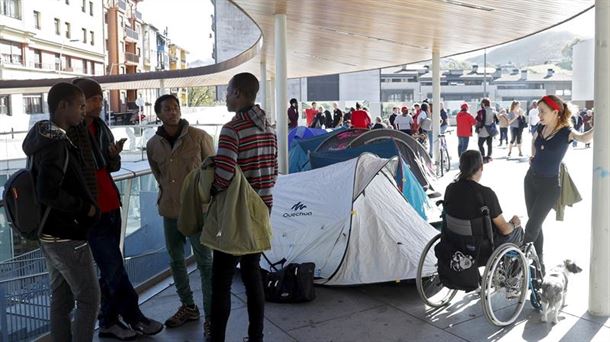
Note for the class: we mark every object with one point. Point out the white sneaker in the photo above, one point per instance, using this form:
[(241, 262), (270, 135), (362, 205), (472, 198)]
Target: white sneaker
[(118, 331)]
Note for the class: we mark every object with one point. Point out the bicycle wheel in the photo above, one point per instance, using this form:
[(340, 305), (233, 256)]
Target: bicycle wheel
[(505, 285), (429, 286), (445, 159)]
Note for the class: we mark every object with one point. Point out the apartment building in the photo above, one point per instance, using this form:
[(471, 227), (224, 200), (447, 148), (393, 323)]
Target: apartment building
[(46, 39), (177, 61)]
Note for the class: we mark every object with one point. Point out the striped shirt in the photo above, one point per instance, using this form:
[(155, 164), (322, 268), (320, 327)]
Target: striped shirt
[(249, 142)]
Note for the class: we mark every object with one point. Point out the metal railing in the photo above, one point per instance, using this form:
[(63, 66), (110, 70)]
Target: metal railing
[(130, 33), (132, 57)]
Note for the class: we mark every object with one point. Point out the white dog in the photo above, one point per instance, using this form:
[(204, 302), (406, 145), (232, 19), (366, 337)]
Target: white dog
[(554, 289)]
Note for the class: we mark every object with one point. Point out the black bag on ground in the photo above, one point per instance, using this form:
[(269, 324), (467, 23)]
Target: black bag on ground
[(23, 211), (290, 284)]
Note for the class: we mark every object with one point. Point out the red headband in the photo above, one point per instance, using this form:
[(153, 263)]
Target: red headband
[(551, 103)]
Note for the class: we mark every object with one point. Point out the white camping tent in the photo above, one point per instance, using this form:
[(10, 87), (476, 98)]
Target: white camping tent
[(351, 220)]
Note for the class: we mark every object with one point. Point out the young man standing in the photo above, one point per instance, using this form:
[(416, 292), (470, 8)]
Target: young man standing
[(173, 153), (101, 156), (533, 118), (247, 141), (73, 211), (360, 118)]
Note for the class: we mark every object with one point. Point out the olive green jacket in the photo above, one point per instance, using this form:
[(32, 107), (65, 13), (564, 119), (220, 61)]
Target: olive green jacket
[(235, 221), (569, 194)]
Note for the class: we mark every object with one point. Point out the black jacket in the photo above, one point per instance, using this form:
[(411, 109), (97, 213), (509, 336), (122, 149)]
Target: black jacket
[(67, 195)]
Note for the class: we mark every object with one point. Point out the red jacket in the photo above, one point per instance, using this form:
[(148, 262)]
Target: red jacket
[(361, 119), (465, 121)]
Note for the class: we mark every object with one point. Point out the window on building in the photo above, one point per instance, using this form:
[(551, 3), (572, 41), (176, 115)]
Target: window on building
[(11, 8), (85, 66), (92, 37), (32, 103), (57, 25), (92, 68), (5, 105), (37, 20), (68, 33), (68, 63), (57, 62), (37, 58), (84, 6), (11, 53), (91, 8), (84, 35)]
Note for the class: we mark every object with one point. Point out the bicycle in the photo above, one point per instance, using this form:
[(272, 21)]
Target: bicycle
[(508, 275), (445, 159)]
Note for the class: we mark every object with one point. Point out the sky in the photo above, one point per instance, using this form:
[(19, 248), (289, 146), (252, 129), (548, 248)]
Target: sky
[(191, 28), (189, 24)]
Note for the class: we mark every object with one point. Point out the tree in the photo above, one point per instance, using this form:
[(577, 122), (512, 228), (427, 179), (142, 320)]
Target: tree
[(201, 96)]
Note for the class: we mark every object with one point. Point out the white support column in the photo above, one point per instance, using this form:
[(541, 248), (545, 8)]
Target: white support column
[(263, 85), (436, 104), (599, 275), (271, 98), (281, 86)]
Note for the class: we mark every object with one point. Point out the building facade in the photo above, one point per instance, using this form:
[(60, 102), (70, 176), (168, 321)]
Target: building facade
[(46, 39), (177, 61)]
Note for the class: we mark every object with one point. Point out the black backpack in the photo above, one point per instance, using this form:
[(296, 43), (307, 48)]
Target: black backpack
[(23, 211), (290, 284)]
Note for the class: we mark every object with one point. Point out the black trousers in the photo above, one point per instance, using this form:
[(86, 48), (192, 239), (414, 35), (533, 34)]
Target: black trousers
[(223, 270), (541, 194), (482, 141)]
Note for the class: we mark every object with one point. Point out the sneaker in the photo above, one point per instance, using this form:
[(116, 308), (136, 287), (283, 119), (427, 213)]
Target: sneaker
[(207, 329), (184, 314), (118, 331), (147, 326)]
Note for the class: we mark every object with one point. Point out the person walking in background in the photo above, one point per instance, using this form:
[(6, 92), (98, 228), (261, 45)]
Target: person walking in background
[(378, 123), (360, 118), (404, 121), (464, 121), (415, 117), (485, 118), (328, 119), (517, 122), (444, 119), (532, 117), (293, 114), (503, 123), (173, 152), (62, 189), (310, 113), (424, 121), (588, 124), (101, 156), (319, 120), (247, 142), (577, 125), (395, 113), (541, 183), (337, 116)]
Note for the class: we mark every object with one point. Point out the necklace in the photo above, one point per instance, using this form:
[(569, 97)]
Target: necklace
[(548, 137)]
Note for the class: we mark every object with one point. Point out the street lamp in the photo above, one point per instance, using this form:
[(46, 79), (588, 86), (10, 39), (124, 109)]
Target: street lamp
[(61, 53)]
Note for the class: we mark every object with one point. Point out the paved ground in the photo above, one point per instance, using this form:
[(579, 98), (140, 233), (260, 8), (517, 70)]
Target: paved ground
[(394, 312)]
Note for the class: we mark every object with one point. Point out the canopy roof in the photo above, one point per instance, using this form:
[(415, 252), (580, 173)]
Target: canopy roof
[(328, 37)]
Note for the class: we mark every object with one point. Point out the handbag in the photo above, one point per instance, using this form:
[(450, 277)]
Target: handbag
[(290, 284), (492, 129)]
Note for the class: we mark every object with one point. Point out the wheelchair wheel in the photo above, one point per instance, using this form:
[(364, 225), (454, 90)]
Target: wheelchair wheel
[(536, 276), (430, 288), (505, 285)]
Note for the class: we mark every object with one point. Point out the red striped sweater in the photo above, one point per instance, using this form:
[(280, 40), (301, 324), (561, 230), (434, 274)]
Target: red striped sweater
[(248, 141)]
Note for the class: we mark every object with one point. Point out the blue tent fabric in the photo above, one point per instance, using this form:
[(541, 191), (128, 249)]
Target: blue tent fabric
[(413, 191), (298, 156), (303, 132)]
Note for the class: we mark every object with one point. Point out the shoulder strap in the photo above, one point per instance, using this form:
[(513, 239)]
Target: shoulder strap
[(47, 211), (274, 264)]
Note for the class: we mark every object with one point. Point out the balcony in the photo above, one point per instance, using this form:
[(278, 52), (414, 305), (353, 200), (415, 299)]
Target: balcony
[(138, 15), (131, 35), (132, 58)]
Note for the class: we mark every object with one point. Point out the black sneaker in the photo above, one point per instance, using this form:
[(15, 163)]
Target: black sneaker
[(207, 329), (184, 314), (147, 326)]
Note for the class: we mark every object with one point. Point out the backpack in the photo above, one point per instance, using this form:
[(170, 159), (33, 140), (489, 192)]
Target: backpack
[(522, 122), (23, 211), (290, 284)]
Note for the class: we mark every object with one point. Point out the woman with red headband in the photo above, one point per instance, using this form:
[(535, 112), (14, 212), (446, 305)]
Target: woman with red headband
[(551, 140)]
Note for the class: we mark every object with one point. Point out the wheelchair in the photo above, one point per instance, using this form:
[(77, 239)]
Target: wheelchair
[(509, 272)]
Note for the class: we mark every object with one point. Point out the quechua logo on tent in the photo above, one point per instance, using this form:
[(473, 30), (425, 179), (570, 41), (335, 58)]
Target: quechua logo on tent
[(298, 210)]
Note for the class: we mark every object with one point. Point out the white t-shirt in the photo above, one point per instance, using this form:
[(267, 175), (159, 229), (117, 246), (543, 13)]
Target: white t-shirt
[(403, 122), (533, 118)]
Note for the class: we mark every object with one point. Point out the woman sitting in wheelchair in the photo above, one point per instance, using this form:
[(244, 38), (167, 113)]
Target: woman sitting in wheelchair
[(473, 226)]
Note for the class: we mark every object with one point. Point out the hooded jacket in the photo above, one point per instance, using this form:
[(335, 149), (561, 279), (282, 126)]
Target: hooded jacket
[(247, 141), (67, 195), (170, 162)]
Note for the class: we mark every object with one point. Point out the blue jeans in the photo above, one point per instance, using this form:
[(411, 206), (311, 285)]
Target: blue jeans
[(444, 128), (118, 294), (462, 145), (430, 143), (174, 242)]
